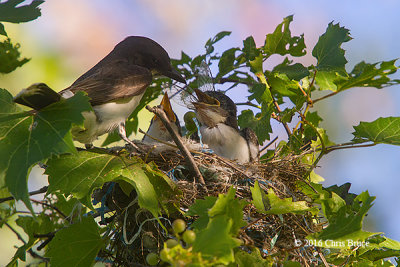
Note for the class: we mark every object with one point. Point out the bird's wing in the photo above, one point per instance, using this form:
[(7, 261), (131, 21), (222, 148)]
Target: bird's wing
[(252, 141), (114, 80)]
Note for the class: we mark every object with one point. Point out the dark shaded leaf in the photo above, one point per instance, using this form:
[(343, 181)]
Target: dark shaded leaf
[(260, 123), (2, 30), (76, 245), (294, 72), (282, 42), (13, 11), (28, 140), (10, 57), (249, 48), (226, 62), (328, 51)]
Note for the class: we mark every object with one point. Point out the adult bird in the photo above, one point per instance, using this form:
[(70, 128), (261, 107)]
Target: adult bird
[(219, 128), (115, 86), (157, 129)]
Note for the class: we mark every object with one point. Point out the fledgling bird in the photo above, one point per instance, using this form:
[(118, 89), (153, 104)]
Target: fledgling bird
[(157, 128), (219, 128), (115, 86)]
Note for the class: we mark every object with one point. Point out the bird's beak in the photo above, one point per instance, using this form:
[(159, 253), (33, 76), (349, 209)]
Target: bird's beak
[(174, 74), (206, 99), (166, 105)]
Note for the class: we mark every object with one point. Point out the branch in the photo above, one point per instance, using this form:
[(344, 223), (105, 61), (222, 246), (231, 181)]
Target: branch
[(37, 192), (326, 96), (178, 141), (270, 143), (50, 206)]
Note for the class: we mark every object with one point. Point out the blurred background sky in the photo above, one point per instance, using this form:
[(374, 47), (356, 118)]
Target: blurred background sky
[(71, 36)]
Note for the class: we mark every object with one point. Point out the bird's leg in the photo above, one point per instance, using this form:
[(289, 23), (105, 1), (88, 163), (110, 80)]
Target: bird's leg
[(122, 134)]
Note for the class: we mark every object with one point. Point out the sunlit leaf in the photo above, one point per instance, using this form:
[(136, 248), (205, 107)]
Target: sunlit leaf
[(216, 240), (383, 130)]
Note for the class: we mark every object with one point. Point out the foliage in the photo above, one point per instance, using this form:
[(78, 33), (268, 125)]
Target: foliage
[(65, 226)]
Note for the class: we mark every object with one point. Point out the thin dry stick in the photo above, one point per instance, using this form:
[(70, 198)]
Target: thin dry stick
[(178, 141)]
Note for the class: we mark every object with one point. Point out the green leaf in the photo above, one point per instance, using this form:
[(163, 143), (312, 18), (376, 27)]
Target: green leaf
[(80, 174), (9, 12), (2, 30), (281, 41), (326, 80), (254, 259), (200, 208), (328, 51), (225, 64), (260, 93), (250, 49), (10, 56), (76, 245), (216, 240), (347, 223), (209, 44), (260, 123), (28, 140), (383, 130), (230, 206), (272, 204), (369, 75), (294, 72)]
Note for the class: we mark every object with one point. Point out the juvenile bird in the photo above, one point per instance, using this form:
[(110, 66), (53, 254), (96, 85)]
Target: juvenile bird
[(219, 128), (157, 128)]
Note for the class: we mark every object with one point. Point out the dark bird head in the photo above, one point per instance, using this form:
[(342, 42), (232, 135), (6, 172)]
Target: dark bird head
[(215, 107), (147, 53)]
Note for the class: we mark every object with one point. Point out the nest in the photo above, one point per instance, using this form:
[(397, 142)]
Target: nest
[(273, 235)]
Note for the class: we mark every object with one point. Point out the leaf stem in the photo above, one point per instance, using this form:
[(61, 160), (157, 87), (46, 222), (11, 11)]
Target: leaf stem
[(262, 78)]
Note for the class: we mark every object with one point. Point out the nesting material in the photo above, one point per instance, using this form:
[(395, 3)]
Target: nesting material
[(272, 234)]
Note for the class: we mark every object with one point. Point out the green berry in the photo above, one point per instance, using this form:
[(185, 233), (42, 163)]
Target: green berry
[(152, 259), (189, 237), (164, 255), (178, 226), (171, 243)]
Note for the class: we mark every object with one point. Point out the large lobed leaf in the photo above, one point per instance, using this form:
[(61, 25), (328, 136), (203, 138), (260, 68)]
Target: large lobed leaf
[(382, 130), (328, 51), (80, 174), (26, 139), (76, 245)]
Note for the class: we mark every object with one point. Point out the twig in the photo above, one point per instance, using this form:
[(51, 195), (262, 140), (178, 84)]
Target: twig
[(248, 103), (50, 206), (178, 141), (227, 80), (270, 143), (323, 97), (37, 192)]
